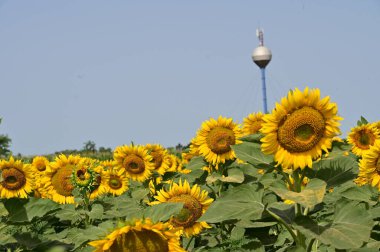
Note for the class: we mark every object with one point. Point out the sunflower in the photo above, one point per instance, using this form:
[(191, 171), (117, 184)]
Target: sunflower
[(107, 164), (362, 138), (172, 162), (195, 202), (215, 138), (369, 167), (39, 165), (116, 181), (16, 178), (98, 188), (83, 175), (252, 123), (141, 236), (158, 154), (135, 160), (299, 128), (57, 182)]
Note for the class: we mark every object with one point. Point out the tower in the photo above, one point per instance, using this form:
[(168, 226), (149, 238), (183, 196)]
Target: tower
[(262, 56)]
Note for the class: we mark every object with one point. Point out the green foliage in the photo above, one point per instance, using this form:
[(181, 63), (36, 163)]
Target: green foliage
[(5, 143), (249, 213)]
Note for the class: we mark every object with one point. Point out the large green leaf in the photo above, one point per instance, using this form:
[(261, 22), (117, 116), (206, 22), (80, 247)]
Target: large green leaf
[(338, 167), (240, 202), (350, 228), (163, 211), (310, 196), (251, 153), (24, 210)]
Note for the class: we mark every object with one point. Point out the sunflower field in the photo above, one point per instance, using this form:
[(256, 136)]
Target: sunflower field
[(283, 181)]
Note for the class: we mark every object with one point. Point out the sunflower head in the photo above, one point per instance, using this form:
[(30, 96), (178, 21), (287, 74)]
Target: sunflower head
[(363, 137), (369, 167), (299, 128), (16, 179), (57, 180), (116, 181), (158, 154), (135, 160), (252, 123), (195, 202), (40, 163), (83, 176), (142, 236), (215, 138)]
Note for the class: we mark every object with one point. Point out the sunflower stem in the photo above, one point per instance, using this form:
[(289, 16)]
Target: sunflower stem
[(188, 244), (281, 221)]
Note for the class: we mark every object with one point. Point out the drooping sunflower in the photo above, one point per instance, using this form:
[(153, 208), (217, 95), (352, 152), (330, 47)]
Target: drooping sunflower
[(369, 167), (141, 236), (158, 154), (215, 138), (195, 202), (252, 123), (135, 160), (57, 181), (362, 138), (17, 179), (116, 181), (299, 128)]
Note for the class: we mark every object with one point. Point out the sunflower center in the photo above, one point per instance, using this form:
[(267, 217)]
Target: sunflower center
[(134, 164), (220, 139), (41, 167), (365, 139), (14, 179), (140, 241), (61, 181), (301, 130), (81, 174), (157, 159), (115, 182), (190, 213)]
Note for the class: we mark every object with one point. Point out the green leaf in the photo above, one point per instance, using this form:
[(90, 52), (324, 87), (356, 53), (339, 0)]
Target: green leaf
[(196, 163), (122, 206), (310, 196), (96, 212), (163, 211), (251, 153), (254, 138), (350, 228), (364, 193), (362, 121), (24, 210), (254, 224), (240, 202), (140, 194), (235, 175), (337, 168), (69, 213), (237, 233)]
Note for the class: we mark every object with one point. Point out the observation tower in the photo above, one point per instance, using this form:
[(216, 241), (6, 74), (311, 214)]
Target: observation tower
[(262, 56)]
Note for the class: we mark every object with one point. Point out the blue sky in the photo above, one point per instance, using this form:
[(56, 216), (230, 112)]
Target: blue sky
[(151, 71)]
